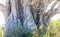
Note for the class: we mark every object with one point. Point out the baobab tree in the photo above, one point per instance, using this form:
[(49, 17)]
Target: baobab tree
[(27, 16)]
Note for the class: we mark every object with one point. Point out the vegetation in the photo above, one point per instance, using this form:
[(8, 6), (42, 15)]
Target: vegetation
[(53, 30), (15, 31), (1, 31), (29, 13)]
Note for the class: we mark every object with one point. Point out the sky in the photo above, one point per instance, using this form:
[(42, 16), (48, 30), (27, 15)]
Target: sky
[(2, 19), (3, 2), (56, 17)]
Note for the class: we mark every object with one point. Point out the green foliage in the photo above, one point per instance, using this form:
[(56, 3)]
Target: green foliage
[(15, 31), (53, 29), (42, 30), (1, 31), (33, 32)]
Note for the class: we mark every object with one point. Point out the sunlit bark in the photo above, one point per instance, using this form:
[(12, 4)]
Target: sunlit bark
[(28, 15)]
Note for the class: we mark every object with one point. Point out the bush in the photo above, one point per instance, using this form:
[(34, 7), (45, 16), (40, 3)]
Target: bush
[(1, 31), (15, 31), (53, 29)]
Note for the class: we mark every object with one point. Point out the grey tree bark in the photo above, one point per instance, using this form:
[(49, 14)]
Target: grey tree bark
[(27, 16)]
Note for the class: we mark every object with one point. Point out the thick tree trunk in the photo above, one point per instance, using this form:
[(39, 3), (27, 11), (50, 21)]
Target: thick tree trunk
[(27, 16), (13, 25)]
